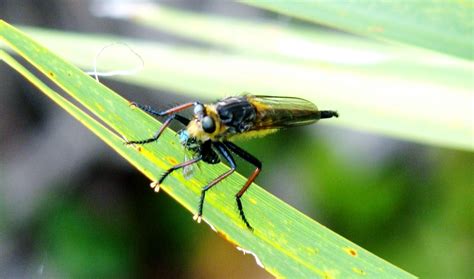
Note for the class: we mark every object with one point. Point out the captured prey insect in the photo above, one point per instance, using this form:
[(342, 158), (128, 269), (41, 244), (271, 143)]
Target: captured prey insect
[(210, 131)]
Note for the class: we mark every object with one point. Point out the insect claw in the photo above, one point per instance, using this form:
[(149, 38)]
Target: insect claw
[(197, 218), (129, 143), (132, 104), (155, 185)]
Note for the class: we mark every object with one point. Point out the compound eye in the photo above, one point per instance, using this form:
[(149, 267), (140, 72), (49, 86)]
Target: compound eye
[(199, 109), (208, 124)]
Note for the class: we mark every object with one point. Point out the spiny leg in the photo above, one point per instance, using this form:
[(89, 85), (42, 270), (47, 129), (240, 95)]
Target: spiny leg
[(224, 152), (155, 137), (172, 110), (172, 169), (166, 123), (254, 161)]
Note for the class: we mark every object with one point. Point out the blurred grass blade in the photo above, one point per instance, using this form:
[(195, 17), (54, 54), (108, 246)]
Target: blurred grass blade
[(276, 39), (287, 243), (392, 96), (444, 26), (273, 39)]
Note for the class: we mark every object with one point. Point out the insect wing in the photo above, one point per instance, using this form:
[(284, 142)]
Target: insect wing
[(189, 170), (281, 112)]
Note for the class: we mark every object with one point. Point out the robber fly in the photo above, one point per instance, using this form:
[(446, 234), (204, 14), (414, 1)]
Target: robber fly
[(210, 131)]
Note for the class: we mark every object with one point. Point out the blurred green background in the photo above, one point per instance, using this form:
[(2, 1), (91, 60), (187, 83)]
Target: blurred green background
[(70, 207)]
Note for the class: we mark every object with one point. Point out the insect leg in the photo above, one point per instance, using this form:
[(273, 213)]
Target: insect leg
[(166, 123), (152, 111), (224, 152), (178, 166), (254, 161), (172, 110)]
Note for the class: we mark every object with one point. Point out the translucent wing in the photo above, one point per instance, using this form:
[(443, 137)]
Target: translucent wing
[(189, 170), (253, 113), (281, 112)]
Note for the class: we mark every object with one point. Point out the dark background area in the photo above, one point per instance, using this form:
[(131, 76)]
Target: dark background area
[(69, 206)]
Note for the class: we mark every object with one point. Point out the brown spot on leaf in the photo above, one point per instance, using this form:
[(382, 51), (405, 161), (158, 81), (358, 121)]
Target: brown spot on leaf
[(171, 160), (351, 251), (312, 251), (329, 274), (359, 271)]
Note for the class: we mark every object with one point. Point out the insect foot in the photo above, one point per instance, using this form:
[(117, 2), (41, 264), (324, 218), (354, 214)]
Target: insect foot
[(155, 185), (197, 218)]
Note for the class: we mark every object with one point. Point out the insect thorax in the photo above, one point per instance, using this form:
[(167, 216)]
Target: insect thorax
[(190, 143), (198, 147), (236, 113)]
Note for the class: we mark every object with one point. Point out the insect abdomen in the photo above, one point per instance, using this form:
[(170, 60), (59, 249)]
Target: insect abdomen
[(251, 115), (280, 112)]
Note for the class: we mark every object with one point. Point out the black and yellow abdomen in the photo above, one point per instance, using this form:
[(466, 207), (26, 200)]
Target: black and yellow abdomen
[(281, 112), (251, 115)]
